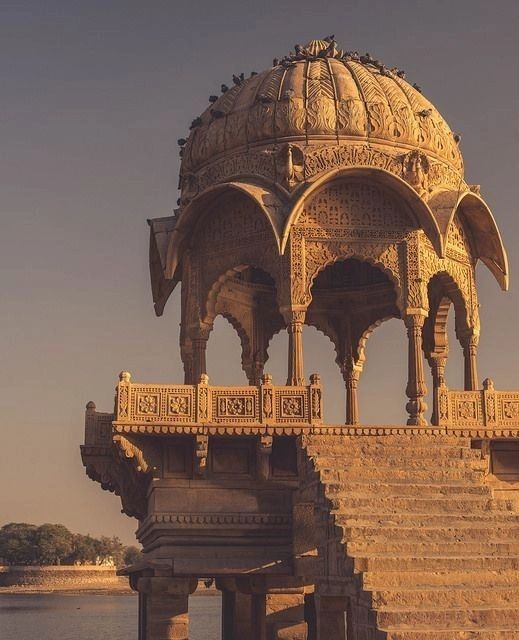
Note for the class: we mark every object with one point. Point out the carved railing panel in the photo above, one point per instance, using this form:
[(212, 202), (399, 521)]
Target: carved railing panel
[(145, 407), (483, 408)]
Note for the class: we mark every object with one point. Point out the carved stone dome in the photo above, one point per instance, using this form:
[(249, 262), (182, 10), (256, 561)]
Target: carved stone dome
[(320, 95)]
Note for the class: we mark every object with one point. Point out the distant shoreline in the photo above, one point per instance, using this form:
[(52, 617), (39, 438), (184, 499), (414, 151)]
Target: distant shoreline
[(46, 591), (69, 580)]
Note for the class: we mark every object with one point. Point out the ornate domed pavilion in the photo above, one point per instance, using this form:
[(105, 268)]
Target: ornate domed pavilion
[(325, 191), (329, 191)]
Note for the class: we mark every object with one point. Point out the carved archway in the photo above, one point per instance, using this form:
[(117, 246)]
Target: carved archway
[(246, 296), (421, 215), (350, 297), (350, 218)]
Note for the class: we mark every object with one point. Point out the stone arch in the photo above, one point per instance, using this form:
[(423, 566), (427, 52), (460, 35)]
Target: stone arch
[(422, 215), (230, 237), (246, 296), (350, 296), (476, 217), (244, 336), (266, 201), (388, 265), (211, 296), (443, 292), (361, 349)]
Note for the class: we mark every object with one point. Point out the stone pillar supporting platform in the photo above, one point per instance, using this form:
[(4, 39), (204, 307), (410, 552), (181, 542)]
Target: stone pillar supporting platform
[(236, 610), (330, 617), (163, 607), (277, 607)]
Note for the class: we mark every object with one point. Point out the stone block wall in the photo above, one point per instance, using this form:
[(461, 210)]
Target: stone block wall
[(61, 577)]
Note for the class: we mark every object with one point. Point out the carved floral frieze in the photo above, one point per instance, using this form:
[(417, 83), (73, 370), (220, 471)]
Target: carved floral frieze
[(484, 408), (282, 164)]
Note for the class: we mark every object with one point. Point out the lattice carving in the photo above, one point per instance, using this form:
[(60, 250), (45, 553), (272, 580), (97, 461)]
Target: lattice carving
[(354, 204), (348, 220), (458, 243)]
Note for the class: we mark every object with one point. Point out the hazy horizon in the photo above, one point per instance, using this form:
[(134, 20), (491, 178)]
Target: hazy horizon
[(95, 96)]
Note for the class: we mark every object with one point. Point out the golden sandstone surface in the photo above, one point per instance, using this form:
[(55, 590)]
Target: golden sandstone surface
[(325, 191)]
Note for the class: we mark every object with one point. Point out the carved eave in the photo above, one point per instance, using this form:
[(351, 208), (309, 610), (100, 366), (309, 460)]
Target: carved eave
[(161, 232), (477, 218), (422, 213)]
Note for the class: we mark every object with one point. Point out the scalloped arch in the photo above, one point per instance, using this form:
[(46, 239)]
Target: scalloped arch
[(393, 277)]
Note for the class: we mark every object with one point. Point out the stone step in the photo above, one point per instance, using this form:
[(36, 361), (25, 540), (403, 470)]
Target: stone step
[(391, 464), (427, 549), (383, 489), (399, 440), (426, 506), (428, 520), (443, 579), (443, 619), (488, 533), (430, 452), (383, 562), (446, 598), (460, 475), (453, 634)]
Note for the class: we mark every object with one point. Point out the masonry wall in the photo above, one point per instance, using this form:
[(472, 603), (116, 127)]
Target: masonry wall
[(61, 577)]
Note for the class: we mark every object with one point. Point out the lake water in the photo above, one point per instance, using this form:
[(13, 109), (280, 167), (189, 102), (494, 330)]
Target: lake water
[(92, 617)]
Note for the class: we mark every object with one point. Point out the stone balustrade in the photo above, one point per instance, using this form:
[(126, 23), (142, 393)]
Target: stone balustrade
[(167, 408), (484, 411)]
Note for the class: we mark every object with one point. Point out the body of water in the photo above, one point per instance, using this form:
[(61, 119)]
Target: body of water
[(92, 617)]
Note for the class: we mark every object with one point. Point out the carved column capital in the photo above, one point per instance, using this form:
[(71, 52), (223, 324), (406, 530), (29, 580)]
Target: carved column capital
[(155, 585)]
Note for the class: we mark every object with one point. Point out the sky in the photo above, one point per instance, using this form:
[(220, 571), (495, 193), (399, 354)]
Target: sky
[(94, 96)]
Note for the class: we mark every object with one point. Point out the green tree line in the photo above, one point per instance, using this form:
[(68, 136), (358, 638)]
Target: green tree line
[(50, 544)]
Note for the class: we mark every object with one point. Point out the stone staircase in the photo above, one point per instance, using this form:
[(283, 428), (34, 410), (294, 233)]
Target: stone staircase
[(434, 555)]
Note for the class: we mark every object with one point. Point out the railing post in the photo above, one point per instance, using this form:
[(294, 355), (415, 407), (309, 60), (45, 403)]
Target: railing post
[(122, 404), (316, 399)]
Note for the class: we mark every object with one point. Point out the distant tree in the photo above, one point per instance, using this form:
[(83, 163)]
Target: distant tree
[(18, 543), (111, 548), (132, 555), (54, 543), (84, 549), (48, 544)]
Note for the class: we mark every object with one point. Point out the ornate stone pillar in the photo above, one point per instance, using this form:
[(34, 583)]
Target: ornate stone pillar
[(165, 601), (416, 389), (199, 337), (470, 350), (188, 371), (295, 324), (256, 373), (437, 364), (351, 374)]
